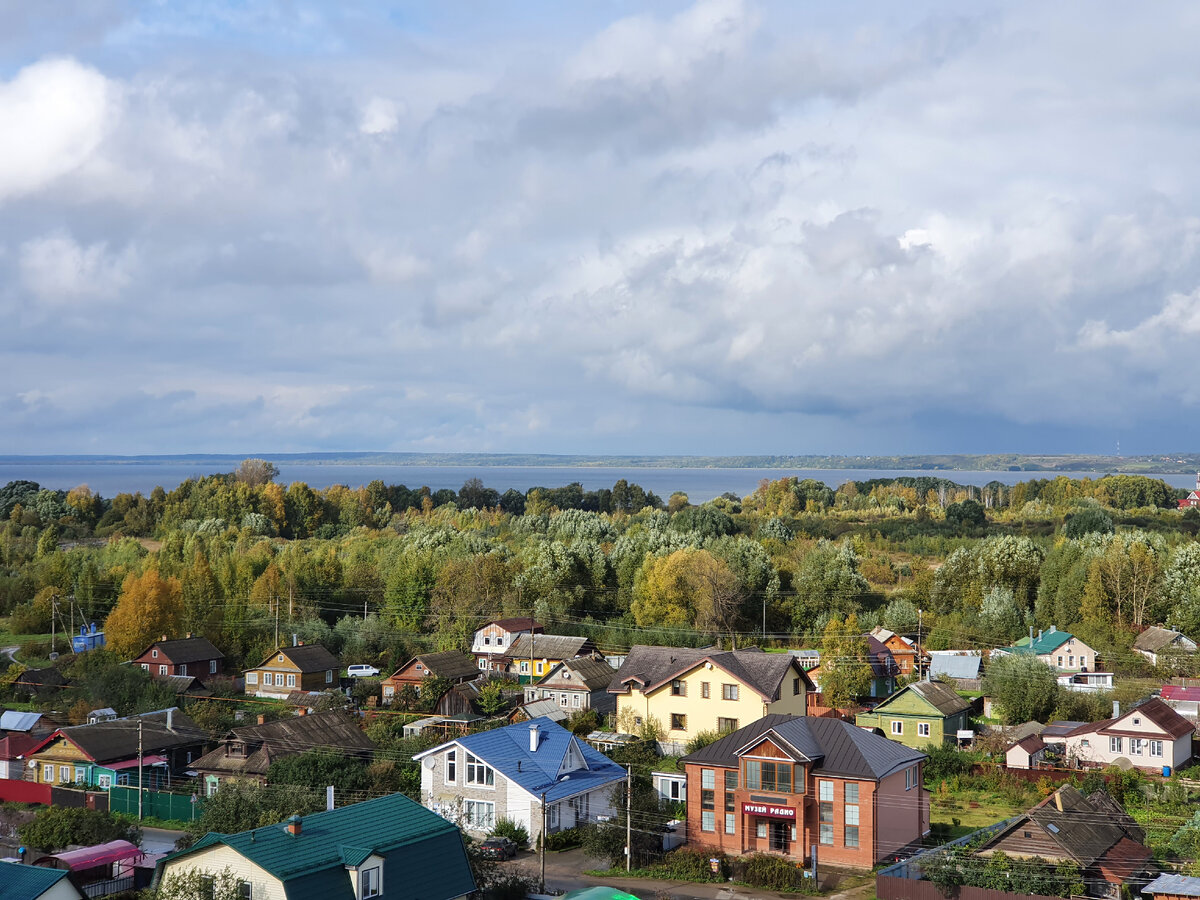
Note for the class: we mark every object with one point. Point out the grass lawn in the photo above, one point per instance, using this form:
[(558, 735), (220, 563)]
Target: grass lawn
[(8, 639), (970, 809)]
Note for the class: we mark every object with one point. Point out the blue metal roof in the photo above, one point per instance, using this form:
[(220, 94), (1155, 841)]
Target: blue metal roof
[(14, 720), (1182, 885), (507, 751)]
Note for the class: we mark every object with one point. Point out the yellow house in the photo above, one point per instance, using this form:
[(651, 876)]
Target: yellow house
[(686, 691), (305, 667)]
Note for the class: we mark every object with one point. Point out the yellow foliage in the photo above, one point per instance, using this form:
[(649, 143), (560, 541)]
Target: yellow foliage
[(149, 607)]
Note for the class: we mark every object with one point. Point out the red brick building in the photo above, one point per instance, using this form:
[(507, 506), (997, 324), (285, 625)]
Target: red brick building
[(786, 783)]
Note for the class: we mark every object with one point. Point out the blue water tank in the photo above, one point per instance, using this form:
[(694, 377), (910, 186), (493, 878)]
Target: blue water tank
[(1166, 771)]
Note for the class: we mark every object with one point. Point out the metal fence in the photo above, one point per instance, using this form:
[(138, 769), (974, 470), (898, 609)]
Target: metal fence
[(159, 804), (109, 886)]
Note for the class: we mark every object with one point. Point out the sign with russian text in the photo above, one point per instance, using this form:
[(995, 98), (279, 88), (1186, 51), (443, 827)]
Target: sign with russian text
[(767, 809)]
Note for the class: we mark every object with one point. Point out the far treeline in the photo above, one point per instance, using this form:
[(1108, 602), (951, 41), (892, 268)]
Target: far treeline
[(377, 572)]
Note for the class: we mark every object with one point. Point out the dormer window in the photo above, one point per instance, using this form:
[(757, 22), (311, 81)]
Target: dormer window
[(370, 882)]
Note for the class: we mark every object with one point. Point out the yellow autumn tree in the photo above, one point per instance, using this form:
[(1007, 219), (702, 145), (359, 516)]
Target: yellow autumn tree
[(687, 588), (149, 607)]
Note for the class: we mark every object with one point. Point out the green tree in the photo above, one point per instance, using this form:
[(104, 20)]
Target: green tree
[(198, 884), (845, 663), (316, 769), (607, 840), (1022, 686), (57, 827)]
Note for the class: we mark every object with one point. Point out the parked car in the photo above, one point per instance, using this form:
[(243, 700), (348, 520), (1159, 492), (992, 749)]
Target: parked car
[(362, 671), (497, 848)]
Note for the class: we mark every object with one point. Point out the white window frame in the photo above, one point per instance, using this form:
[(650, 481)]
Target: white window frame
[(1137, 746), (452, 766), (251, 678), (484, 822), (897, 726), (479, 773), (370, 882), (922, 729), (162, 670), (329, 676), (104, 781), (1115, 744), (291, 680), (1156, 748), (182, 669), (212, 667), (154, 654), (268, 679), (730, 692)]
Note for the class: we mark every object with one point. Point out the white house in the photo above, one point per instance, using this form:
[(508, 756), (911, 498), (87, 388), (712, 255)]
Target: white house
[(520, 772), (671, 786), (1148, 737)]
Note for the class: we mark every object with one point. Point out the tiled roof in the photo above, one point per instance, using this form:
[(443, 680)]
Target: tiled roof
[(19, 881), (185, 650), (651, 667), (424, 854), (507, 751), (836, 747)]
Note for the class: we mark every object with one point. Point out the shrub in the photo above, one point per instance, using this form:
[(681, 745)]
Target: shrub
[(686, 864), (566, 839), (701, 740), (56, 827), (514, 831), (774, 873)]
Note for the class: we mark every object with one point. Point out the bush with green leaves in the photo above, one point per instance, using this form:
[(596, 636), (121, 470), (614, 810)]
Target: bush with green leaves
[(57, 827), (197, 884), (773, 873), (514, 831)]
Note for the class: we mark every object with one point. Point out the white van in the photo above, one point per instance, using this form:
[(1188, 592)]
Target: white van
[(362, 671)]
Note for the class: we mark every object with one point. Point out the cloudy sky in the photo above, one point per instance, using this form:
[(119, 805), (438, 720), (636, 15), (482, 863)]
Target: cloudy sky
[(711, 227)]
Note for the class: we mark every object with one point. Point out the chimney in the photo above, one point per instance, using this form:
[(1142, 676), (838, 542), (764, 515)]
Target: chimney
[(1057, 799), (1116, 709), (1039, 634), (164, 637), (294, 825), (189, 634), (533, 737), (295, 639), (262, 719), (171, 719)]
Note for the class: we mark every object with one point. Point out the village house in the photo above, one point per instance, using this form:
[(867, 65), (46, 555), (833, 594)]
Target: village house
[(1162, 643), (518, 772), (1093, 832), (1027, 753), (491, 642), (184, 656), (1060, 650), (247, 751), (1172, 887), (1184, 700), (451, 665), (1152, 737), (386, 847), (577, 684), (24, 882), (919, 714), (786, 783), (904, 651), (105, 753), (688, 691), (963, 667), (13, 748), (532, 656), (303, 667), (1192, 500)]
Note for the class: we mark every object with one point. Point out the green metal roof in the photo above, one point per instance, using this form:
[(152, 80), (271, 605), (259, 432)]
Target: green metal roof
[(1046, 642), (599, 893), (21, 882), (423, 846)]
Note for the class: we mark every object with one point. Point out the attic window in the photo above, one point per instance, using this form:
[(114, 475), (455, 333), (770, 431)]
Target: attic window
[(1052, 828), (279, 658), (1137, 721)]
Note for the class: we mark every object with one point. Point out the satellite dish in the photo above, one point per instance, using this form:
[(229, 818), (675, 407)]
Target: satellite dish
[(430, 762)]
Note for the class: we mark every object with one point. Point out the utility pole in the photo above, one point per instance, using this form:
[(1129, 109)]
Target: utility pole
[(919, 652), (628, 819), (140, 786), (764, 619), (542, 844), (53, 614)]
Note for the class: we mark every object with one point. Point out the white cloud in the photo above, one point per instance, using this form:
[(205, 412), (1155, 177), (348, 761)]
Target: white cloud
[(57, 269), (380, 116), (53, 115)]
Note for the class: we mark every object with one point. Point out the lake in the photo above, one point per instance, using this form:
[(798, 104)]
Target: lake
[(700, 484)]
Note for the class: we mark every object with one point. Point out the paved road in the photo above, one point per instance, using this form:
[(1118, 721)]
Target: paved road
[(159, 840)]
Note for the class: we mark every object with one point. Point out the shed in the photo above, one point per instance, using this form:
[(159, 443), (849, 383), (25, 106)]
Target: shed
[(1026, 753)]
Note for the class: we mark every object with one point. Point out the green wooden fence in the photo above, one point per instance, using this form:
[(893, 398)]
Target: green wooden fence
[(160, 804)]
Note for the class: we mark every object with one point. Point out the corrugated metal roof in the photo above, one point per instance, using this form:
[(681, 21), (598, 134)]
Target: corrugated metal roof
[(21, 881), (1183, 885), (99, 855), (966, 667), (424, 854), (13, 720)]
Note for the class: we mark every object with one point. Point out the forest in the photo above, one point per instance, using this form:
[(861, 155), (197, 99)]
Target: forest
[(379, 571)]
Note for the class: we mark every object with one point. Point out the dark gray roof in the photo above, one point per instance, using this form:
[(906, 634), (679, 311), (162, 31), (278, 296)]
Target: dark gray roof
[(185, 650), (1060, 728), (549, 646), (332, 730), (940, 696), (590, 672), (117, 739), (650, 667), (835, 747), (449, 664)]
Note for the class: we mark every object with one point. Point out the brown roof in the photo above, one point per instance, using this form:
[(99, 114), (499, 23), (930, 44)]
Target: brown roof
[(651, 667), (1031, 744), (591, 672), (516, 624), (333, 730), (17, 744), (1123, 860), (447, 664), (307, 657), (1155, 710)]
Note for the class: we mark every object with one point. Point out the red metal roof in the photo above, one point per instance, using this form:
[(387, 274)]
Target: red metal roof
[(1175, 692)]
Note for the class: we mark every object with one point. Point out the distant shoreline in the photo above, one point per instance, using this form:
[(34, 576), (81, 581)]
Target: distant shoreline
[(1175, 463)]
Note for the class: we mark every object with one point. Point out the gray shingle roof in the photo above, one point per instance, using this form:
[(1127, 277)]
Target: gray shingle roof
[(549, 646), (1154, 639), (836, 747), (449, 664), (940, 696), (650, 667), (117, 739), (590, 672), (265, 743), (185, 650), (966, 667)]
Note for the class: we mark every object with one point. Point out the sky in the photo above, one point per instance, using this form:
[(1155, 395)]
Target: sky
[(720, 227)]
